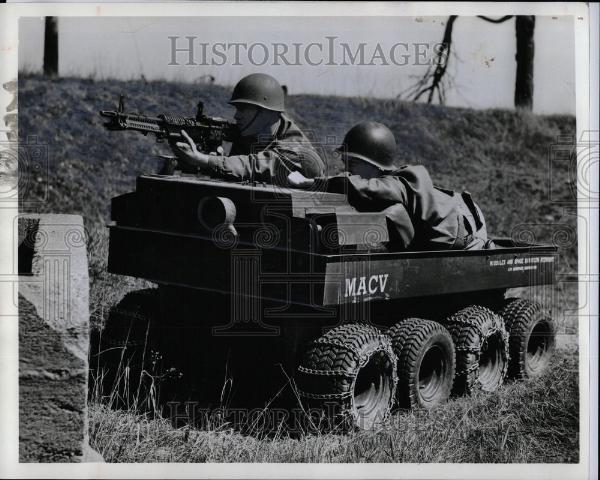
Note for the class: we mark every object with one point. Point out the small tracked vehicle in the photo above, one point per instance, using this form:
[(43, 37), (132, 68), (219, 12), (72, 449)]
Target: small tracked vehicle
[(260, 286)]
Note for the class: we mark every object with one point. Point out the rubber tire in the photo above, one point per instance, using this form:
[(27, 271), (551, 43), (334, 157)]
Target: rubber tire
[(335, 373), (473, 330), (522, 317), (415, 340), (126, 346)]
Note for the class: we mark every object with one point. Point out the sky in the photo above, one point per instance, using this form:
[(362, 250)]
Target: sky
[(482, 66)]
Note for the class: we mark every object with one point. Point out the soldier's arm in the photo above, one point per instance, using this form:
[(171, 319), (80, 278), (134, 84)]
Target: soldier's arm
[(373, 193), (266, 165), (381, 192), (277, 162), (243, 167)]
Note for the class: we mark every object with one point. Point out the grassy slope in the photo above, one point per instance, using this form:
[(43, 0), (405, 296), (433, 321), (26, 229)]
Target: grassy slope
[(499, 156), (522, 423)]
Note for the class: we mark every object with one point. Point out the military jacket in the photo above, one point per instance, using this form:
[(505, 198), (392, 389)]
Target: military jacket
[(270, 159), (436, 215)]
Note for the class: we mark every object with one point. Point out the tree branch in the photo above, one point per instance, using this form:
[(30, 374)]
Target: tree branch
[(431, 82), (495, 20)]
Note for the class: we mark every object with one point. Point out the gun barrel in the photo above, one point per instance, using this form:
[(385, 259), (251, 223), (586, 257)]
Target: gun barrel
[(207, 132)]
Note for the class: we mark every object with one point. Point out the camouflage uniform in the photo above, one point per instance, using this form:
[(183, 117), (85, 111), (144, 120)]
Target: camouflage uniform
[(422, 216), (270, 159)]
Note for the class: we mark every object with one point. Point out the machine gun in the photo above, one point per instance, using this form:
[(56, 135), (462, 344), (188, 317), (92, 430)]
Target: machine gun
[(208, 133)]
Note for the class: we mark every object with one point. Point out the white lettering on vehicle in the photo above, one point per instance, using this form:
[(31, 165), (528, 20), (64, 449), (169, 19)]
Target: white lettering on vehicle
[(362, 287), (372, 289), (375, 283)]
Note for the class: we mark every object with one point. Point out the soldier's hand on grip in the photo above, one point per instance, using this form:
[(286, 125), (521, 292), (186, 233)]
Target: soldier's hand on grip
[(188, 153), (297, 180)]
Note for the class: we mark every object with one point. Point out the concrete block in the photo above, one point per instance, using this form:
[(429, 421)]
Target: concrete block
[(53, 339)]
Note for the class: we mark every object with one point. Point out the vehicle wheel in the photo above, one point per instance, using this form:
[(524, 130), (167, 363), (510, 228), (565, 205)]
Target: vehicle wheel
[(426, 362), (124, 348), (532, 337), (481, 345), (348, 376)]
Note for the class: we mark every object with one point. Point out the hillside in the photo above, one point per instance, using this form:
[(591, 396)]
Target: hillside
[(500, 156)]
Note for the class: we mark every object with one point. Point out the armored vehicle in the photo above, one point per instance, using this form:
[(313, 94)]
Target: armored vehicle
[(260, 286)]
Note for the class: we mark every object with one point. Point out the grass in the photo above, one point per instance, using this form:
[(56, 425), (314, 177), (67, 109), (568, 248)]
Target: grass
[(522, 423), (500, 156)]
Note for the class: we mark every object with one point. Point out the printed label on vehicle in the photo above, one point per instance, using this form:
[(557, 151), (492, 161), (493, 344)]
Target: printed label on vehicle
[(520, 264)]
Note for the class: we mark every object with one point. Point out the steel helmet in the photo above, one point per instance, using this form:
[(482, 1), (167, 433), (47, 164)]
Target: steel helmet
[(259, 89), (371, 142)]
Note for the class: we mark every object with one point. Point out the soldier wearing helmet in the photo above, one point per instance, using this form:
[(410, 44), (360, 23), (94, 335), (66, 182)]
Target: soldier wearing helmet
[(270, 145), (420, 215)]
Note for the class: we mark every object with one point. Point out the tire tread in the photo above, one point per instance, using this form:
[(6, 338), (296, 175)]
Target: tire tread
[(408, 338)]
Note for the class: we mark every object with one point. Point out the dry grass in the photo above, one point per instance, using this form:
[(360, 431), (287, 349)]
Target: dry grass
[(535, 422)]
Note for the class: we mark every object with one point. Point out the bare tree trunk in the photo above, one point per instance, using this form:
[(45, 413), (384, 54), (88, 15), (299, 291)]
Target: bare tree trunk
[(51, 47), (525, 25)]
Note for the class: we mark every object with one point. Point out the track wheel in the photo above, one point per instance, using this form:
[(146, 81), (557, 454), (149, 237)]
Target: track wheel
[(481, 345), (532, 337), (348, 377), (426, 362)]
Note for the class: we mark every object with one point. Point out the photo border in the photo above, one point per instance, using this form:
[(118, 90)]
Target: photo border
[(586, 102)]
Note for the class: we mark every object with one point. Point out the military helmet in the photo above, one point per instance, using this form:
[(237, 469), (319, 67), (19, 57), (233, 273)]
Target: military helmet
[(371, 142), (261, 90)]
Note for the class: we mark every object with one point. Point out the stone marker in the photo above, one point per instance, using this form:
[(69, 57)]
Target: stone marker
[(53, 340)]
